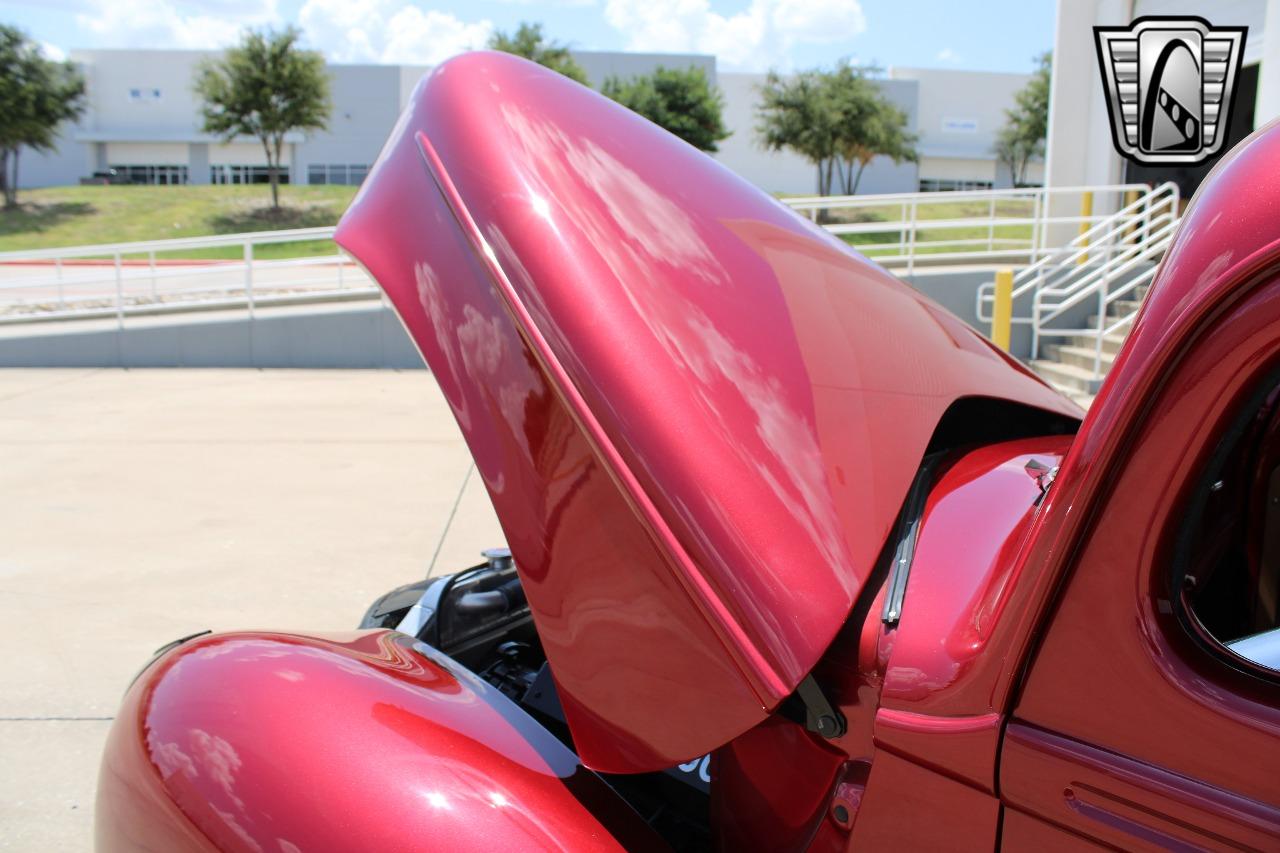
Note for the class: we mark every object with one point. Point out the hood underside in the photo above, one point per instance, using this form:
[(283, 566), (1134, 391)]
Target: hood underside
[(697, 414)]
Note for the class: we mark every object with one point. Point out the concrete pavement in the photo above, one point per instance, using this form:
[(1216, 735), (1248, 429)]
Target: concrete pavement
[(143, 505)]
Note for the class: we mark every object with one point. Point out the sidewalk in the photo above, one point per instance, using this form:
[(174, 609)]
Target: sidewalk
[(141, 506)]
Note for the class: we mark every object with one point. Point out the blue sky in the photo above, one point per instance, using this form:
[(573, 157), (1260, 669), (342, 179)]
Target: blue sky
[(752, 35)]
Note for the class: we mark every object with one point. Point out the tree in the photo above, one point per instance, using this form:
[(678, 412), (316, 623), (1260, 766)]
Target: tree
[(682, 101), (839, 120), (868, 125), (529, 42), (884, 134), (36, 96), (265, 87), (1022, 137), (795, 112)]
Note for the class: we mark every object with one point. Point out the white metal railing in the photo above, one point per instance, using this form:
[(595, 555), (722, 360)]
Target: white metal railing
[(1102, 268), (157, 276), (270, 268), (905, 229)]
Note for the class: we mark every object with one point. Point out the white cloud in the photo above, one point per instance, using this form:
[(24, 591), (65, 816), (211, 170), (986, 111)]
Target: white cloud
[(427, 38), (762, 36), (948, 56), (345, 30), (767, 33), (817, 21), (545, 3), (225, 8), (387, 31), (52, 51), (164, 24)]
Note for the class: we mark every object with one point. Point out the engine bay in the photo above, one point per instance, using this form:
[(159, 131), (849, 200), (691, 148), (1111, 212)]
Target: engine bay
[(480, 617)]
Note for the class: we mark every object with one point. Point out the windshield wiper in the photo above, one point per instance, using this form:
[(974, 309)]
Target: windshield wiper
[(907, 532)]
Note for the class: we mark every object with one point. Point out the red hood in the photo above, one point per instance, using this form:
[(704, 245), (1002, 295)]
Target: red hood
[(696, 413)]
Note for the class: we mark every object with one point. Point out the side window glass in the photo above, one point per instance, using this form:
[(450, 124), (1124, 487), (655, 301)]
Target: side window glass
[(1227, 571)]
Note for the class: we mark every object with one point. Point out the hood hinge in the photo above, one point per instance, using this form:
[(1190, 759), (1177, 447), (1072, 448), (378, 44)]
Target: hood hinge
[(820, 716)]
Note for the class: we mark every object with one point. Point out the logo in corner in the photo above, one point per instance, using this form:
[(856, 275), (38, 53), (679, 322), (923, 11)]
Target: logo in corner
[(1169, 84)]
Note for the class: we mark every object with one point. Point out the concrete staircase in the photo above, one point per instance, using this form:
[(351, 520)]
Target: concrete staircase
[(1069, 366), (1111, 263)]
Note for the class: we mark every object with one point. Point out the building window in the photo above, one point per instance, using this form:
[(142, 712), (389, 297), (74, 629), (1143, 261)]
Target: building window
[(226, 174), (934, 185), (347, 175), (151, 174), (144, 95)]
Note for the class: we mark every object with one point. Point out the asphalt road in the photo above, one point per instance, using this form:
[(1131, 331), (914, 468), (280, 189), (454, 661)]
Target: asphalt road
[(143, 505)]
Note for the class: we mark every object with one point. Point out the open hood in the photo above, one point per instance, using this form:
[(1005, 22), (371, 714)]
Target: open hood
[(697, 414)]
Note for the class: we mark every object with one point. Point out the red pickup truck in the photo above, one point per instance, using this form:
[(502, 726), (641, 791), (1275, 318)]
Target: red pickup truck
[(797, 560)]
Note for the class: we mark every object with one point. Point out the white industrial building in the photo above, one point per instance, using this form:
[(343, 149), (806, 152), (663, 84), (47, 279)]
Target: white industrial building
[(958, 114), (143, 121)]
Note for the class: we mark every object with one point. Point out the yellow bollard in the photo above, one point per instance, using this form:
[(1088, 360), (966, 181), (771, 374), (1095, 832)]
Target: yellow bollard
[(1130, 197), (1086, 211), (1002, 310)]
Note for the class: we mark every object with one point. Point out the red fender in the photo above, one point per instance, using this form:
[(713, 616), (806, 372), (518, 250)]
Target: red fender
[(365, 741)]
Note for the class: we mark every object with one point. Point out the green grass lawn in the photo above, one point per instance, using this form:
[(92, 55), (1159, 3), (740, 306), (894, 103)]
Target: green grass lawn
[(936, 210), (77, 216)]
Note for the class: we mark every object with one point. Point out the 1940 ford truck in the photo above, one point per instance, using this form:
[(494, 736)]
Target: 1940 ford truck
[(798, 560)]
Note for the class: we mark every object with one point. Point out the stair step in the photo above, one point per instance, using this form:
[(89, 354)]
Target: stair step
[(1123, 307), (1093, 323), (1110, 343), (1067, 378), (1080, 354)]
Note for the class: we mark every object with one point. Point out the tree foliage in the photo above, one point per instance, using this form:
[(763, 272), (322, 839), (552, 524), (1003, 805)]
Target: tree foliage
[(682, 101), (36, 96), (869, 125), (265, 87), (793, 113), (839, 120), (1022, 138), (529, 42)]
